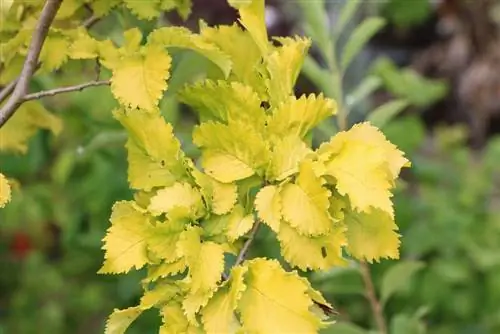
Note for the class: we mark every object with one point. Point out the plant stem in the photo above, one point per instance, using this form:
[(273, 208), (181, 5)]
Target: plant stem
[(5, 92), (55, 91), (370, 294), (49, 12), (246, 246)]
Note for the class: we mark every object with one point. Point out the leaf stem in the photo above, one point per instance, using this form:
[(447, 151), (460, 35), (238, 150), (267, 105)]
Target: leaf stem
[(30, 64), (55, 91), (372, 298), (246, 246)]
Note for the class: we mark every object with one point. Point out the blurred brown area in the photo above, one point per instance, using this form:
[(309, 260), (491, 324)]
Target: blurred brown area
[(467, 54)]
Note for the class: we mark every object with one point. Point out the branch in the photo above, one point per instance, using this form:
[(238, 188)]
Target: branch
[(372, 298), (5, 92), (52, 92), (246, 246), (48, 13), (89, 22)]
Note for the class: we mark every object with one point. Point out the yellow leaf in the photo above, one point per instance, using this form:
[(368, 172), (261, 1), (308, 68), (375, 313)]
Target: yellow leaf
[(68, 9), (218, 316), (147, 10), (166, 269), (224, 196), (193, 301), (364, 166), (183, 7), (175, 321), (206, 264), (164, 238), (286, 155), (83, 46), (229, 156), (240, 46), (252, 17), (102, 8), (284, 65), (317, 253), (372, 235), (4, 9), (221, 197), (179, 196), (139, 80), (15, 49), (120, 320), (296, 117), (225, 167), (275, 301), (109, 54), (30, 117), (205, 260), (5, 191), (159, 294), (54, 53), (369, 133), (305, 203), (11, 70), (180, 37), (239, 223), (132, 40), (268, 206), (154, 154), (225, 102), (125, 242)]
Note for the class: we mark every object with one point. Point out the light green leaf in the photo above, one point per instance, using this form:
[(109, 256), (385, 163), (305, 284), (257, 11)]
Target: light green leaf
[(359, 38), (386, 112), (404, 324), (346, 14), (397, 278), (319, 76), (363, 90), (408, 84), (316, 23), (343, 328)]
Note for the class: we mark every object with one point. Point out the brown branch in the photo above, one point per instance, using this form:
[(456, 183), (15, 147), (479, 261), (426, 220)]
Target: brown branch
[(372, 298), (5, 92), (246, 245), (55, 91), (89, 22), (49, 12)]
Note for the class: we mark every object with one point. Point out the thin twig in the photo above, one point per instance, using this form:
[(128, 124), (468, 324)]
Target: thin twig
[(55, 91), (16, 98), (5, 92), (372, 298), (246, 245), (89, 22)]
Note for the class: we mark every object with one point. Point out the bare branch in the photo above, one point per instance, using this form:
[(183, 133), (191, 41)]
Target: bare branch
[(372, 298), (5, 92), (16, 98), (55, 91), (89, 22), (246, 246)]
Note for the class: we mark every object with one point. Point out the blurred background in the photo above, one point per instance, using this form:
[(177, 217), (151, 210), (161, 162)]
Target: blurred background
[(432, 71)]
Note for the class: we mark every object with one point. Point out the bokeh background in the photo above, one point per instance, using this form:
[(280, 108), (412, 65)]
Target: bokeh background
[(441, 57)]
